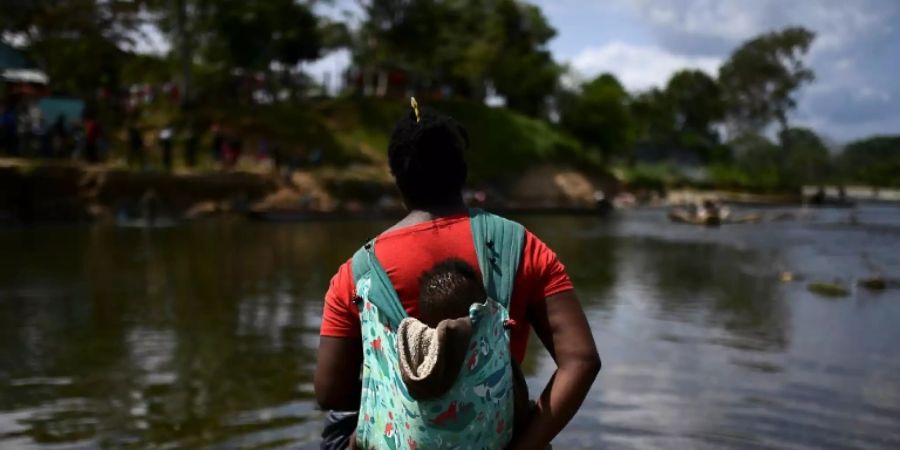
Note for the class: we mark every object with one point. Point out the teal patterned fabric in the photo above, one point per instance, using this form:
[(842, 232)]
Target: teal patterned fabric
[(477, 411)]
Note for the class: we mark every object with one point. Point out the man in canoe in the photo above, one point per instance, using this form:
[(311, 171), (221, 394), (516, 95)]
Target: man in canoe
[(377, 288)]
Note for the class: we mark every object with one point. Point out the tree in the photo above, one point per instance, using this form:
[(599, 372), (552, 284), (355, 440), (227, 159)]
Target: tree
[(422, 37), (246, 35), (806, 159), (760, 159), (521, 68), (654, 117), (696, 101), (463, 45), (760, 78), (874, 161), (77, 42), (599, 116), (800, 158), (654, 125)]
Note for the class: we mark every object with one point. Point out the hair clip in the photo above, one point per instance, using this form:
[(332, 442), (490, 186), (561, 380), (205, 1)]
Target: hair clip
[(415, 107)]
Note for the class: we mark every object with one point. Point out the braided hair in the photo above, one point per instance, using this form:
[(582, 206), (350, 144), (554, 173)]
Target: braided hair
[(426, 156)]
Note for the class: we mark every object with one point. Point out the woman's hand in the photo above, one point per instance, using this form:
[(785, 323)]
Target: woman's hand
[(560, 323)]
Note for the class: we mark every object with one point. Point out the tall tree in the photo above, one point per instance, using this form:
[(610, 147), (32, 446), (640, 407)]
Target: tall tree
[(760, 78), (654, 121), (185, 50), (77, 42), (521, 67), (599, 116), (464, 45), (696, 101), (874, 161), (253, 35), (761, 159), (806, 159), (414, 35)]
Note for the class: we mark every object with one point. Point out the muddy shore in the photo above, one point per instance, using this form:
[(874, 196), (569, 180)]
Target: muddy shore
[(72, 192)]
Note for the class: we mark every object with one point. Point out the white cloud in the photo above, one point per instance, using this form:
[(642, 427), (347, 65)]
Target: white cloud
[(845, 131), (150, 40), (838, 22), (854, 54), (329, 69), (639, 67)]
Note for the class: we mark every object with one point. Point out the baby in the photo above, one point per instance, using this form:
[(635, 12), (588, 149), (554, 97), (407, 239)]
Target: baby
[(429, 369), (446, 292)]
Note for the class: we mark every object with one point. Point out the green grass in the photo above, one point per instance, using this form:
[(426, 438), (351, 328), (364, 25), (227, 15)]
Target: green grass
[(348, 131), (503, 143)]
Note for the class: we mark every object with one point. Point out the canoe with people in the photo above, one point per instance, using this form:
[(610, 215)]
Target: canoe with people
[(710, 213)]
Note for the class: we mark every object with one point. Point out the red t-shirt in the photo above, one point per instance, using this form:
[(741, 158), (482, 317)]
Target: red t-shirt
[(405, 253)]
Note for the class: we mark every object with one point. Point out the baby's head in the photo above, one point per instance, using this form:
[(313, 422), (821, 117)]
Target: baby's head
[(447, 290)]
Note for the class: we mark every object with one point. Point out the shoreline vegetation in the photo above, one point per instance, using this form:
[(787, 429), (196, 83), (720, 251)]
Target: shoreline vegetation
[(327, 159)]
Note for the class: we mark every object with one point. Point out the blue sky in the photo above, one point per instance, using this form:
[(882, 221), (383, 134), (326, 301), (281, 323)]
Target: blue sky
[(856, 54)]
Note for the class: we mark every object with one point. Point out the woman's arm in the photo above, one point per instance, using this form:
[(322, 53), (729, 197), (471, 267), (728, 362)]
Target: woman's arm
[(560, 323), (337, 373)]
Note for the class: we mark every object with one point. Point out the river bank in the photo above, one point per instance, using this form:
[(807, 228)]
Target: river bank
[(72, 192), (65, 191)]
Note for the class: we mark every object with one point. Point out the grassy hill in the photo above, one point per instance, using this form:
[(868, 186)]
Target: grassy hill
[(357, 131)]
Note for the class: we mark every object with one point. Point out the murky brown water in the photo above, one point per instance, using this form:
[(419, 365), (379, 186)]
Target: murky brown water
[(203, 335)]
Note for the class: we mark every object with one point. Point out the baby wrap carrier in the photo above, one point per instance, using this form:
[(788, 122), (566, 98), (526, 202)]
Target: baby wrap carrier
[(477, 410)]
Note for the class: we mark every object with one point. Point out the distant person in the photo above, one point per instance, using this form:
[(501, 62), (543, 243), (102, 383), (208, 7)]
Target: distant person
[(190, 147), (262, 150), (45, 141), (166, 137), (32, 130), (232, 153), (9, 124), (709, 213), (59, 135), (819, 197), (523, 276), (218, 142), (277, 158), (135, 147), (315, 156), (91, 139), (228, 153)]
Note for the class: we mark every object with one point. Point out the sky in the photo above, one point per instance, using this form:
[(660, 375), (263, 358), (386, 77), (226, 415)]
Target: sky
[(856, 53)]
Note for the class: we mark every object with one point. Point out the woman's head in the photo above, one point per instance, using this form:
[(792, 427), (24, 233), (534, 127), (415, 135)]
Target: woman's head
[(426, 158)]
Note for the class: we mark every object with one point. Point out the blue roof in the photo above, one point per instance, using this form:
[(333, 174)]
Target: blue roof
[(11, 58)]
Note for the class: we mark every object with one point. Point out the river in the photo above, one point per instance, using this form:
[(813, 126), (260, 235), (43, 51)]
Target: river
[(203, 335)]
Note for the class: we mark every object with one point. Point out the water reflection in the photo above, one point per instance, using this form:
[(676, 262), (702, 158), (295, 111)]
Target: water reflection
[(162, 337), (204, 336)]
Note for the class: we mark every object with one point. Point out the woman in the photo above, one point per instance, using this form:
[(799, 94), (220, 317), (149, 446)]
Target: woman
[(426, 159)]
